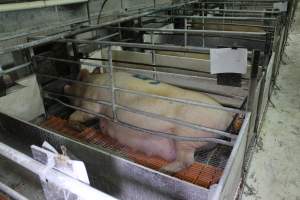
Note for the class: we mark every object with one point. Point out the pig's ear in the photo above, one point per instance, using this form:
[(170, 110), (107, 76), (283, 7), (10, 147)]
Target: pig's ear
[(67, 88), (83, 74)]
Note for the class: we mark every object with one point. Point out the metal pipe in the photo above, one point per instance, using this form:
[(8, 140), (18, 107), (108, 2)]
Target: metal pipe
[(11, 193), (37, 4), (15, 68), (243, 33), (242, 10), (112, 80), (106, 103), (182, 76), (70, 61), (143, 46), (73, 81), (176, 121), (194, 103), (215, 17), (63, 181), (157, 133)]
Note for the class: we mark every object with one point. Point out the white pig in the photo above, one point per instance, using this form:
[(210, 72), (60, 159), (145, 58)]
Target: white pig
[(149, 144), (184, 150)]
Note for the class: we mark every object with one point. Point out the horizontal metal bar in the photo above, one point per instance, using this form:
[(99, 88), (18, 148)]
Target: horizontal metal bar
[(232, 24), (91, 100), (11, 193), (73, 81), (69, 61), (37, 4), (23, 34), (214, 17), (157, 133), (190, 102), (179, 75), (241, 10), (177, 121), (189, 31), (142, 46), (240, 2), (15, 68), (53, 176)]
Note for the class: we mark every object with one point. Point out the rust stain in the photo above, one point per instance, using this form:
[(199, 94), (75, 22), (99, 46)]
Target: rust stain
[(198, 173)]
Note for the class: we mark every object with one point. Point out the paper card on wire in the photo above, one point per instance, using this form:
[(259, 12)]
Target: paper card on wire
[(228, 60)]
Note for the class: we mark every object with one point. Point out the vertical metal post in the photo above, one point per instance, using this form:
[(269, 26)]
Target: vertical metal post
[(185, 33), (252, 89), (112, 79), (203, 24), (153, 58), (120, 32), (88, 11)]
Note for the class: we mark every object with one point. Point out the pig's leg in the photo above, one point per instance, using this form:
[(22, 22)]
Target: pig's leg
[(184, 158)]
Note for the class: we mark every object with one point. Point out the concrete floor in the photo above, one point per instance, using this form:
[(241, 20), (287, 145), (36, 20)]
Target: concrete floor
[(275, 168)]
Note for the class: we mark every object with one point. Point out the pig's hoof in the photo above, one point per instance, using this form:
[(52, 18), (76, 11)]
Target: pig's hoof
[(76, 126)]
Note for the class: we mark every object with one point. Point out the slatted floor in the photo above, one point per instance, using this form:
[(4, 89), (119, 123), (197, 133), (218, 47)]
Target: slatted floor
[(198, 173)]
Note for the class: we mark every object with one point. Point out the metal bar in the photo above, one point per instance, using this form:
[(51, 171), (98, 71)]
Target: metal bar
[(215, 17), (11, 193), (153, 58), (44, 29), (185, 101), (143, 46), (80, 98), (37, 4), (190, 31), (88, 11), (176, 121), (53, 176), (236, 24), (15, 68), (157, 133), (179, 75), (73, 81), (242, 1), (185, 33), (112, 79), (242, 10), (46, 96), (70, 61)]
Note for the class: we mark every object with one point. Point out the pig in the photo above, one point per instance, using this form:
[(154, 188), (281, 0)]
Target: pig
[(184, 150), (148, 144)]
